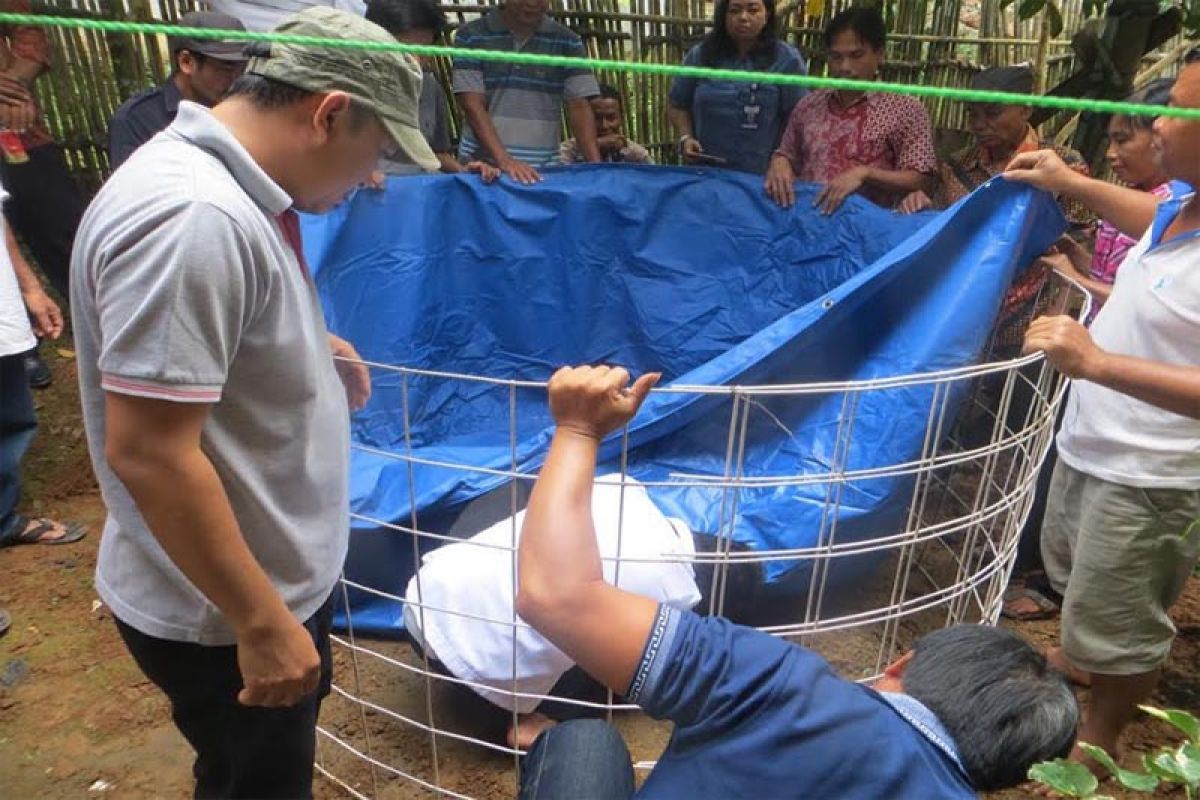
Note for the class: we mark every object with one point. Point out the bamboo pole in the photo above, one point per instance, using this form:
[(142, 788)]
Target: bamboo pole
[(1041, 62), (928, 44), (1171, 58)]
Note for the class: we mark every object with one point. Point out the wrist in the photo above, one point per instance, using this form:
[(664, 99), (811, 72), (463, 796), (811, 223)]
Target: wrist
[(30, 288), (578, 433), (261, 621), (1096, 367), (1074, 184)]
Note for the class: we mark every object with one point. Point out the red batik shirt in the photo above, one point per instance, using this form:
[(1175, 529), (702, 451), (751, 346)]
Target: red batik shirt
[(824, 138), (28, 42)]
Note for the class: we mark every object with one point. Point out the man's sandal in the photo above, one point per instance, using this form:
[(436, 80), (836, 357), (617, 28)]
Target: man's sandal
[(26, 530)]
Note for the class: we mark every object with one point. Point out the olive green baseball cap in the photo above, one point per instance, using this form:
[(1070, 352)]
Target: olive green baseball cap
[(385, 81)]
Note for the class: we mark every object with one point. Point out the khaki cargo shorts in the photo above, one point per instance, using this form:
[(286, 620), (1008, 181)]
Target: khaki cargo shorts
[(1120, 556)]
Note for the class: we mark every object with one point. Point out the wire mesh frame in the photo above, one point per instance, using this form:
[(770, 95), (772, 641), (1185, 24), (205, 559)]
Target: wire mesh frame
[(948, 563)]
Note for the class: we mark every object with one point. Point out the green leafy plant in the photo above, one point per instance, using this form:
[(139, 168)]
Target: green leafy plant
[(1171, 764), (1028, 9)]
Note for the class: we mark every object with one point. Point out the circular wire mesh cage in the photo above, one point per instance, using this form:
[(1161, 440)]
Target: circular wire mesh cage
[(405, 719)]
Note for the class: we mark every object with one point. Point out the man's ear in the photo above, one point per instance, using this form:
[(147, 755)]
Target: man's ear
[(329, 108), (186, 62), (896, 669)]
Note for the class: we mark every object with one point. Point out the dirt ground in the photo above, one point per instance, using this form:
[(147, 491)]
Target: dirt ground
[(78, 720)]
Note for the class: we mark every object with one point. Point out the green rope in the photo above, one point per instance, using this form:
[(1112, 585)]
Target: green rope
[(745, 76)]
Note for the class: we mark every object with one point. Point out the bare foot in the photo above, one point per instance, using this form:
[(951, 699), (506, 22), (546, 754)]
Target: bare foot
[(1058, 660), (528, 728)]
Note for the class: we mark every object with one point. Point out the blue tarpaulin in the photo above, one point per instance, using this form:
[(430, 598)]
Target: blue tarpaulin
[(695, 273)]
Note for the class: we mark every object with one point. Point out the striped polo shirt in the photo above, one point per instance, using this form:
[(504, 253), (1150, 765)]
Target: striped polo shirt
[(524, 101)]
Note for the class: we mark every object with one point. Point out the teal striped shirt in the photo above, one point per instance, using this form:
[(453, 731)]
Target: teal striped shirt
[(523, 100)]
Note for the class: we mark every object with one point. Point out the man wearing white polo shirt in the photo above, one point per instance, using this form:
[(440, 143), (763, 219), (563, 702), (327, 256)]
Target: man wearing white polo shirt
[(263, 15), (216, 417), (1122, 527)]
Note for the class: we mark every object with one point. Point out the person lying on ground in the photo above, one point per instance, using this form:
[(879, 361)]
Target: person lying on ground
[(1120, 537), (459, 605), (875, 144), (615, 147), (969, 708)]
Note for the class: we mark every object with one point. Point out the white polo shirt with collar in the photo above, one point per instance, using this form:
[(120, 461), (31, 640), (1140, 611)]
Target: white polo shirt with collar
[(1153, 313), (186, 286)]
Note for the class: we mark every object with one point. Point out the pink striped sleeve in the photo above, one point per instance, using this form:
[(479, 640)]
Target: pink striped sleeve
[(140, 387)]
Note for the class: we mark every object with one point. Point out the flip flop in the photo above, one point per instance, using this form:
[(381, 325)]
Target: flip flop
[(26, 530), (1043, 606)]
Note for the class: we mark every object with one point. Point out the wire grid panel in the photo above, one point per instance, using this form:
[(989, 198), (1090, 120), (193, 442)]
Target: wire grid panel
[(400, 725)]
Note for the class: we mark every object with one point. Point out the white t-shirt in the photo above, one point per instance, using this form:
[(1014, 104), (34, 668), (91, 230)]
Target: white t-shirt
[(1153, 313), (261, 16), (477, 582), (16, 335)]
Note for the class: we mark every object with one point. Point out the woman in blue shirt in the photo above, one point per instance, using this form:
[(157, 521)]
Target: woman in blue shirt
[(736, 124)]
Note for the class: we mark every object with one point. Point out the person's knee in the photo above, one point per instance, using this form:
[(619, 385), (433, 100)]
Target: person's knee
[(589, 732), (582, 758), (585, 741)]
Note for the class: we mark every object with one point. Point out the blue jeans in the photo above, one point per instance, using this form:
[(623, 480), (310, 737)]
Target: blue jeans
[(18, 424), (583, 759)]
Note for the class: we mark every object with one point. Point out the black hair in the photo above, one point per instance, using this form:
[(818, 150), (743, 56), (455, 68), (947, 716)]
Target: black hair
[(399, 16), (1155, 93), (268, 93), (1192, 56), (865, 22), (612, 93), (1001, 701), (719, 44)]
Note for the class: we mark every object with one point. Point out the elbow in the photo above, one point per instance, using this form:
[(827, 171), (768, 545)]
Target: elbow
[(469, 102), (125, 458), (136, 461), (534, 604), (547, 604)]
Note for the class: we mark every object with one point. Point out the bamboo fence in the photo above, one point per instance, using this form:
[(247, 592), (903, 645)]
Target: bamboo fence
[(934, 43)]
